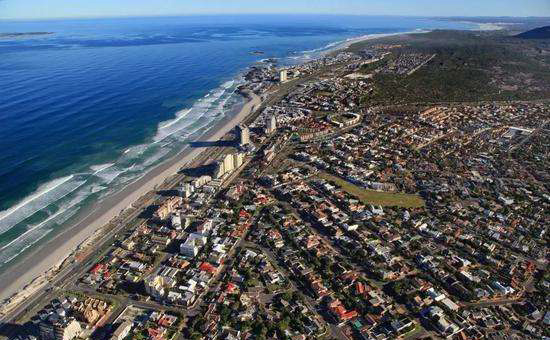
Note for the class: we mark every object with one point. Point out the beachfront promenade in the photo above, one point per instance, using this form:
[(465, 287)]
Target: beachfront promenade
[(123, 209), (130, 202), (120, 211)]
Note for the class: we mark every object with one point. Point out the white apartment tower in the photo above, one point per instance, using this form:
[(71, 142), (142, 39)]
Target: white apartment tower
[(238, 160), (244, 134), (228, 163), (283, 75), (272, 124)]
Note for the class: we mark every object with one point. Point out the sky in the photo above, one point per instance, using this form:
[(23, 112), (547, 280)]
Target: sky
[(43, 9)]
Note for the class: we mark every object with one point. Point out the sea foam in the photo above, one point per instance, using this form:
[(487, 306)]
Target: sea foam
[(40, 199)]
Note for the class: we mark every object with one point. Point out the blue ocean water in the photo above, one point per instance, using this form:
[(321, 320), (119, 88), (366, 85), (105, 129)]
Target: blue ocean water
[(90, 107)]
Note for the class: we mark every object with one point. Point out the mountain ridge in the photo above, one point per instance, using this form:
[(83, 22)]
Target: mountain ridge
[(536, 33)]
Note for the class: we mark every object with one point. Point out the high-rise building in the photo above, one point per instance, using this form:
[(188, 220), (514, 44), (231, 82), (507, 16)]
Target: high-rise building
[(283, 75), (219, 169), (154, 286), (238, 159), (176, 220), (243, 134), (192, 245), (188, 190), (228, 164), (59, 329), (271, 124)]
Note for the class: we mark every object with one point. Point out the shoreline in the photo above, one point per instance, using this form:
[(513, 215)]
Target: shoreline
[(347, 43), (92, 221), (27, 277)]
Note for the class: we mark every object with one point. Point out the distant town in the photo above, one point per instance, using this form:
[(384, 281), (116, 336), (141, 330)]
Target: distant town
[(320, 217)]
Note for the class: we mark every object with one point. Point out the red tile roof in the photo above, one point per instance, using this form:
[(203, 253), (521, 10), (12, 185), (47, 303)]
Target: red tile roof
[(207, 267)]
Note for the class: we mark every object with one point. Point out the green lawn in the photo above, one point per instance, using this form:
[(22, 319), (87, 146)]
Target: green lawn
[(386, 199)]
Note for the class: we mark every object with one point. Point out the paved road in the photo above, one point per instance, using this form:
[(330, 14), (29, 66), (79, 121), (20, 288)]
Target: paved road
[(496, 302), (74, 270)]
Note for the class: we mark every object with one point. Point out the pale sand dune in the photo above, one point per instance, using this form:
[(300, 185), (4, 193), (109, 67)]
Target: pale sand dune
[(56, 250)]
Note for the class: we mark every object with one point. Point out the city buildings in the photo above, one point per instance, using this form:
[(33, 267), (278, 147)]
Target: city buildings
[(227, 164), (271, 125), (122, 331), (349, 222), (283, 76), (60, 328), (192, 245), (243, 134)]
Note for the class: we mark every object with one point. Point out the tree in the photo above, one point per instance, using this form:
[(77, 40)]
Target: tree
[(286, 296), (283, 325), (196, 336), (225, 313)]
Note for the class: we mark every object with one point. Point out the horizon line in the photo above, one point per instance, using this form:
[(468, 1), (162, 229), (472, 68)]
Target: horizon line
[(260, 13)]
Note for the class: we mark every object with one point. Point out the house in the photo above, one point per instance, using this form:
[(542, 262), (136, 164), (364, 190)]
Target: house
[(207, 267), (339, 311), (122, 331), (439, 320)]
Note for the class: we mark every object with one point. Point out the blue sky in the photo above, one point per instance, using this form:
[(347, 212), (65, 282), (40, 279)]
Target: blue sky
[(19, 9)]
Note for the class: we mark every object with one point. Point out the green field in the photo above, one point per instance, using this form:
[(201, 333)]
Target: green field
[(385, 199)]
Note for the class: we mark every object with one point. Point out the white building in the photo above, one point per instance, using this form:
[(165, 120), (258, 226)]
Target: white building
[(219, 169), (176, 220), (238, 160), (188, 190), (244, 134), (157, 285), (199, 182), (350, 227), (228, 163), (154, 286), (271, 124), (283, 75), (122, 331), (192, 245), (57, 328), (439, 319)]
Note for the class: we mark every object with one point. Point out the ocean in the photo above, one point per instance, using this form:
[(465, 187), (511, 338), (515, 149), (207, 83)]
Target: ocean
[(95, 103)]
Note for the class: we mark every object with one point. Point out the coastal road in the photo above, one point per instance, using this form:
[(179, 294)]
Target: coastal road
[(74, 270), (67, 273)]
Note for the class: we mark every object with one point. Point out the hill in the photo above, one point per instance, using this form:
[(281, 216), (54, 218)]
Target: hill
[(467, 66), (537, 33)]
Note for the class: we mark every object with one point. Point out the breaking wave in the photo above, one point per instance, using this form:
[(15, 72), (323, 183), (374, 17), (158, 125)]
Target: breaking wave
[(55, 202)]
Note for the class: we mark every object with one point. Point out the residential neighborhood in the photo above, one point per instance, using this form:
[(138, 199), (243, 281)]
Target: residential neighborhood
[(323, 218)]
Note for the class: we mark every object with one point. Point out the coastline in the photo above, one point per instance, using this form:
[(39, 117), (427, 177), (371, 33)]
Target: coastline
[(29, 276), (26, 275), (347, 43)]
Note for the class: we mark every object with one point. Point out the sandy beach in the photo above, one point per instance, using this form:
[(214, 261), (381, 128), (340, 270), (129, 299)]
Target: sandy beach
[(53, 252), (56, 250)]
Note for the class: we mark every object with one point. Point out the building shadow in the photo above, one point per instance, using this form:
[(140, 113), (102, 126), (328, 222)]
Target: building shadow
[(149, 212), (198, 171), (12, 330), (209, 144), (168, 193)]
